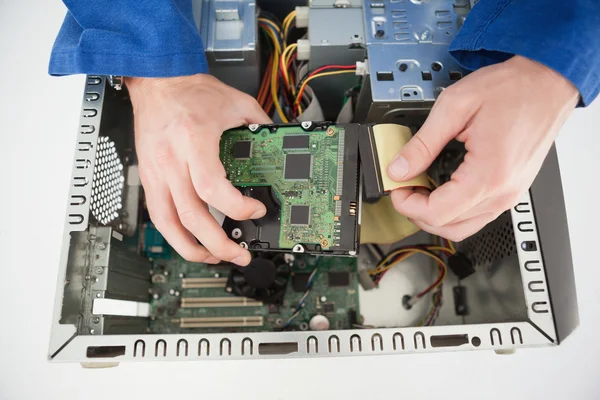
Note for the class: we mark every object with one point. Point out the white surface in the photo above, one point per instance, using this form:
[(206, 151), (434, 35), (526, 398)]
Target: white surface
[(121, 307), (38, 120)]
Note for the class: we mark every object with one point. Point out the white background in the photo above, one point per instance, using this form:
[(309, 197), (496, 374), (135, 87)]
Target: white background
[(38, 120)]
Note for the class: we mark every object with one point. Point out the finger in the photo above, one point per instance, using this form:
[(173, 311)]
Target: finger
[(445, 203), (252, 112), (210, 183), (493, 205), (164, 216), (459, 231), (448, 117), (195, 217)]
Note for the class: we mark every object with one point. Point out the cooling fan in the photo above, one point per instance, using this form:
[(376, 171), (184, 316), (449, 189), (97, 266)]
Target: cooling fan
[(261, 280)]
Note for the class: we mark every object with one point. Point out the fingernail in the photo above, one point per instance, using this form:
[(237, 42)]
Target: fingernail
[(241, 261), (398, 168), (259, 214)]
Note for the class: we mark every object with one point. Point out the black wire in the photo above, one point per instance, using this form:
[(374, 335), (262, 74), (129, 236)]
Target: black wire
[(271, 16)]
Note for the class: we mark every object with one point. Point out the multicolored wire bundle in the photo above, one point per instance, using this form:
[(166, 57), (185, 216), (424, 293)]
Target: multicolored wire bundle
[(433, 251), (283, 88)]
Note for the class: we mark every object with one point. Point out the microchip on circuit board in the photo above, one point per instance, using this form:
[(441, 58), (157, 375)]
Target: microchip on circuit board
[(300, 215), (298, 166), (295, 142), (242, 149)]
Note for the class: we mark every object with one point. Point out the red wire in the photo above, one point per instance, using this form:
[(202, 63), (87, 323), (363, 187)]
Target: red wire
[(316, 71)]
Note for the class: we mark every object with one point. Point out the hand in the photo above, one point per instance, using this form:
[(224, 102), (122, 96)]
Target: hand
[(178, 125), (508, 116)]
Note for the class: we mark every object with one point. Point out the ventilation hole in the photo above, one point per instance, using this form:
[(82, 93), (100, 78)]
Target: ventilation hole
[(495, 336), (139, 348), (515, 333), (539, 307), (376, 342), (455, 75), (89, 112), (182, 348), (204, 348), (334, 344), (247, 347), (419, 337), (75, 219), (536, 286), (426, 75), (398, 341), (312, 345), (87, 129), (385, 76), (475, 341), (160, 349), (225, 347), (355, 343)]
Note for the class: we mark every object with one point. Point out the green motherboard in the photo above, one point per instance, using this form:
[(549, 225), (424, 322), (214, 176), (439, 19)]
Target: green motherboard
[(191, 297), (311, 177)]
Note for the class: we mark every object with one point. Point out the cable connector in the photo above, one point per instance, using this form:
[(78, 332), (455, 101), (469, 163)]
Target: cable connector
[(362, 68), (302, 17), (461, 265), (303, 50), (409, 301)]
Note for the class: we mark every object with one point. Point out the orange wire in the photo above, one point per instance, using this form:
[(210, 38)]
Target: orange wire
[(264, 86)]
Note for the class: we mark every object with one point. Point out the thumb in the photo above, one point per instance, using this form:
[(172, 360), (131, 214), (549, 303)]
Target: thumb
[(447, 119)]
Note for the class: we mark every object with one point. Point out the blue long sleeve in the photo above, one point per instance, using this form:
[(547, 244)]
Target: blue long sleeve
[(563, 35), (149, 38)]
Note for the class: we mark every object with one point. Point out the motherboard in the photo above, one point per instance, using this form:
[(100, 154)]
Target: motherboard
[(307, 292)]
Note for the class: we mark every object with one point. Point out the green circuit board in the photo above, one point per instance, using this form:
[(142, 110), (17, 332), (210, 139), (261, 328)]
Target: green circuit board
[(333, 293), (305, 170)]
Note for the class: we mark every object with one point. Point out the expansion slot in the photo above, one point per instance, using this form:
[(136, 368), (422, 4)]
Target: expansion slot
[(198, 302), (203, 283), (218, 322)]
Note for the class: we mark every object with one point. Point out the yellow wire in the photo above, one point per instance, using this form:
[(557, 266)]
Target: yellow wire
[(348, 71), (273, 37), (274, 73), (402, 251), (271, 24), (286, 58), (379, 269), (451, 245), (286, 23), (411, 252)]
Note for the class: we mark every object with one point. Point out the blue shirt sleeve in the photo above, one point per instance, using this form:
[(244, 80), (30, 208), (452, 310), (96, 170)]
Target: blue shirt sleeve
[(141, 38), (563, 35)]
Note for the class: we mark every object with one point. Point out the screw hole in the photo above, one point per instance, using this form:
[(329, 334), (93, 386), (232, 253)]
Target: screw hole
[(476, 341), (436, 66)]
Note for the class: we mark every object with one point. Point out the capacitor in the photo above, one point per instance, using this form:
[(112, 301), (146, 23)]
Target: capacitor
[(319, 323)]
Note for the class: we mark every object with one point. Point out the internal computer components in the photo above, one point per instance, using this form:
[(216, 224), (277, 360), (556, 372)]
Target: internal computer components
[(276, 292), (307, 177), (500, 294)]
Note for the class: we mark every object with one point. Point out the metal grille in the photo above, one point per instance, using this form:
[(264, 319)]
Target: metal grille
[(494, 242), (107, 187)]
